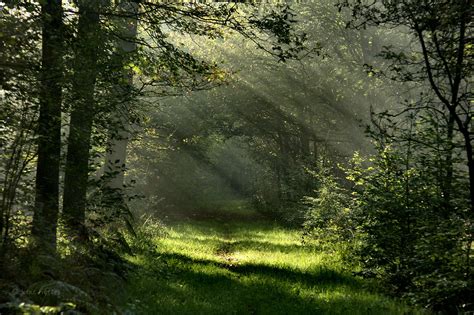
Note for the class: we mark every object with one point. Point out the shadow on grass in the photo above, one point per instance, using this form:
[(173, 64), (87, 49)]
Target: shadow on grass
[(264, 246), (178, 216), (320, 276), (268, 246), (199, 286)]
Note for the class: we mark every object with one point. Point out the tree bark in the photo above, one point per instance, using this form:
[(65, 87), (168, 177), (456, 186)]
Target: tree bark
[(118, 142), (83, 110), (49, 127)]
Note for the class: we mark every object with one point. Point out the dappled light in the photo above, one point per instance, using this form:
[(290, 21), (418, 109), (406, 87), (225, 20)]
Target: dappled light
[(236, 157), (242, 267)]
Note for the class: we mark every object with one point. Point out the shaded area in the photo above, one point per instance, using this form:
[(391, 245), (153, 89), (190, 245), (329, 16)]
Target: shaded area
[(238, 215), (318, 276)]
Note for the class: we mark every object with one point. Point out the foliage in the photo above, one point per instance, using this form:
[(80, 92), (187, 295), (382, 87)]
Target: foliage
[(414, 200), (328, 216), (30, 283), (239, 128), (50, 292), (277, 119), (397, 220), (147, 232), (409, 240), (34, 309), (81, 79), (17, 122)]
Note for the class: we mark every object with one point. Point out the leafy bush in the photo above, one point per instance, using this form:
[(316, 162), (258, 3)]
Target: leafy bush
[(328, 215), (399, 223), (412, 239)]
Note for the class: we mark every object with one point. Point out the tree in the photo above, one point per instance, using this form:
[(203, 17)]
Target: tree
[(156, 63), (119, 132), (440, 56), (160, 67), (18, 101), (284, 118), (422, 250), (49, 126), (87, 48)]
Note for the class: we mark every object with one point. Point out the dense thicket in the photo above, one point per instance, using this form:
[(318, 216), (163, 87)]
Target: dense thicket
[(411, 208)]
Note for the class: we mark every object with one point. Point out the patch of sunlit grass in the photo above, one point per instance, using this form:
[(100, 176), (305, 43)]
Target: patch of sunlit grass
[(247, 267)]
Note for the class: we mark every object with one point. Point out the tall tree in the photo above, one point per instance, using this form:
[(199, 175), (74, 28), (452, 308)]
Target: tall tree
[(120, 133), (86, 50), (49, 126), (19, 63), (425, 153), (161, 63), (165, 67), (441, 57)]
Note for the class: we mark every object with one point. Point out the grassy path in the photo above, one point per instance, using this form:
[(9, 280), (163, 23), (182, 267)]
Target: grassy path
[(245, 266)]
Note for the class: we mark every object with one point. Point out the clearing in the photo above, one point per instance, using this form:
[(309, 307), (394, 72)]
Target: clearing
[(244, 264)]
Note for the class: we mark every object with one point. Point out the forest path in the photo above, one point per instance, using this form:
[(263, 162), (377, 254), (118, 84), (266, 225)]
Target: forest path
[(245, 265)]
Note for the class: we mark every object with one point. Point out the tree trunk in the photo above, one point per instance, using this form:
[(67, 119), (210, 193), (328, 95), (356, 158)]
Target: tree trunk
[(119, 137), (470, 165), (49, 127), (117, 153), (82, 115), (447, 184)]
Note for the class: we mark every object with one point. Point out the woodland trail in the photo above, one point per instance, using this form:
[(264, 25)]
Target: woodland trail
[(246, 265)]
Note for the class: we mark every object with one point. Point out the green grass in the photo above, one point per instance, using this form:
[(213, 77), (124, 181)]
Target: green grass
[(246, 265)]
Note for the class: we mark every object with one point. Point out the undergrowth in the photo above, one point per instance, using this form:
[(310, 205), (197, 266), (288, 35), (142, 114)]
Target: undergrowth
[(85, 278)]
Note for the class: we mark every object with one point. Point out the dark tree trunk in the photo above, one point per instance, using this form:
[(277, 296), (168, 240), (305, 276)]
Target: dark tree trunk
[(447, 184), (49, 128), (470, 165), (82, 115)]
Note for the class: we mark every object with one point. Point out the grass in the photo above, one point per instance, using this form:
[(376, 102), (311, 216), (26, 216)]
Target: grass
[(243, 264)]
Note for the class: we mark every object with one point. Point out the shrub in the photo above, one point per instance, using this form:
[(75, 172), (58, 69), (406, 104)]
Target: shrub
[(328, 213)]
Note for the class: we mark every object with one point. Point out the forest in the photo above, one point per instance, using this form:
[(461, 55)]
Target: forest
[(236, 157)]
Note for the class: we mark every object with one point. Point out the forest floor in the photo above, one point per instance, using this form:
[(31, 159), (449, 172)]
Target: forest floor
[(243, 264)]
